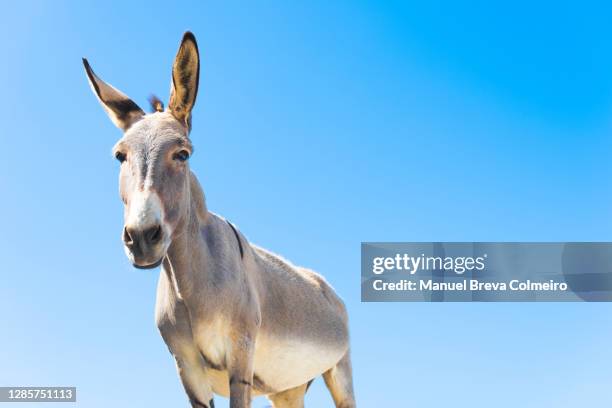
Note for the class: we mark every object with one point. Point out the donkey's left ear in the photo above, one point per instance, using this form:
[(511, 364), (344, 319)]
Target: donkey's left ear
[(122, 110), (185, 79)]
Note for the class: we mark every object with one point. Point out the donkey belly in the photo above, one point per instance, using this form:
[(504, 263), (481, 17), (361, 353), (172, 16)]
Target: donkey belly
[(281, 364)]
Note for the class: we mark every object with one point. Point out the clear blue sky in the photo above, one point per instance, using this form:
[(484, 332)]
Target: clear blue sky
[(318, 125)]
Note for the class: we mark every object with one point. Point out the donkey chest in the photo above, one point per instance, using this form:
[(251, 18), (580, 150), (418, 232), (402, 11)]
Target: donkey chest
[(212, 339)]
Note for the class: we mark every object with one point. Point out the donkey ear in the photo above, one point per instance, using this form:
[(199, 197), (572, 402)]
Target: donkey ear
[(122, 110), (185, 78)]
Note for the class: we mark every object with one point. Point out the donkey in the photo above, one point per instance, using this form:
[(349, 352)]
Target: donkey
[(239, 320)]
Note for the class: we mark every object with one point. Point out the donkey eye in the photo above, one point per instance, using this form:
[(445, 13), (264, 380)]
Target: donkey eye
[(182, 155), (120, 156)]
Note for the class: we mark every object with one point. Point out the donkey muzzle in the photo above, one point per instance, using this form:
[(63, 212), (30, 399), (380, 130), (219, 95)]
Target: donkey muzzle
[(144, 245)]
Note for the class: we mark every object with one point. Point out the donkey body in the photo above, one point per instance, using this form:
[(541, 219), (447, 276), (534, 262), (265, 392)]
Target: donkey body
[(239, 320)]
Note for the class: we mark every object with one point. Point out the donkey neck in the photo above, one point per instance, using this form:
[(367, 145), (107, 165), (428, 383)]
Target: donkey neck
[(187, 245), (198, 212)]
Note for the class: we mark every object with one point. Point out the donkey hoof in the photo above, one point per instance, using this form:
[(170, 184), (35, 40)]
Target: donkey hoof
[(198, 404)]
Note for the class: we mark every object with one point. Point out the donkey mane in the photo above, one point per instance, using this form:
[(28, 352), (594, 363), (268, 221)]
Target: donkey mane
[(156, 104)]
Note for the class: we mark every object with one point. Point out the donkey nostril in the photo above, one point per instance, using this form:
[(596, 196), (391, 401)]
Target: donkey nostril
[(155, 234), (127, 238)]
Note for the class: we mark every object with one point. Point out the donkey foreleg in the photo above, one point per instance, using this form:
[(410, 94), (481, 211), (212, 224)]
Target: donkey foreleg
[(240, 369), (195, 382), (175, 328)]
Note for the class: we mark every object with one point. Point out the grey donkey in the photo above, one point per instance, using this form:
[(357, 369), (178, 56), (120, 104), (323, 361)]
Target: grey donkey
[(239, 320)]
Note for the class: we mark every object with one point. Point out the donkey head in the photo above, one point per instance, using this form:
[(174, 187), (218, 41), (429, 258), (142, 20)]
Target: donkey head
[(153, 152)]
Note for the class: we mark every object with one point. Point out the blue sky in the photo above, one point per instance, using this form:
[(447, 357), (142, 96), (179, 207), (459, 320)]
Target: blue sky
[(317, 126)]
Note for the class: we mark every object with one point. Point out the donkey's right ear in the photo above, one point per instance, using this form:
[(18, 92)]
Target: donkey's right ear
[(122, 110)]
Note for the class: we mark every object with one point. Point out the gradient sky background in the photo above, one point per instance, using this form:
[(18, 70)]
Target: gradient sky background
[(318, 125)]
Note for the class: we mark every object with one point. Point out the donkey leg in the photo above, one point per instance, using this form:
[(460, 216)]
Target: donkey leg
[(240, 369), (339, 381), (194, 379), (291, 398), (176, 332)]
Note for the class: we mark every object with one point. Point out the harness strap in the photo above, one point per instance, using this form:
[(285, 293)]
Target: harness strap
[(237, 238)]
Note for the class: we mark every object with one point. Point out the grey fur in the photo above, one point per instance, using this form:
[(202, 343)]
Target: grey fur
[(238, 319)]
